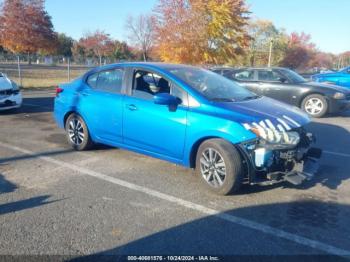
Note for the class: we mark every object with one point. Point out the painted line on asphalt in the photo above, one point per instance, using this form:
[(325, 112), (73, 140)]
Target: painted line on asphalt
[(336, 153), (190, 205)]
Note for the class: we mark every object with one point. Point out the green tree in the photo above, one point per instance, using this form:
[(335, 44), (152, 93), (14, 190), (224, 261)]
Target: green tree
[(122, 51), (65, 45), (262, 33)]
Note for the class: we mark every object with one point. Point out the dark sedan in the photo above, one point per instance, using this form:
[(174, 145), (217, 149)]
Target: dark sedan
[(282, 84)]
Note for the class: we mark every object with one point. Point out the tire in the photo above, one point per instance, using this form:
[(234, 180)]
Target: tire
[(315, 105), (77, 133), (208, 172)]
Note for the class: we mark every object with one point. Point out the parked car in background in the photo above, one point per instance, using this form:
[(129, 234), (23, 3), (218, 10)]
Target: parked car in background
[(10, 95), (340, 78), (192, 117), (316, 99)]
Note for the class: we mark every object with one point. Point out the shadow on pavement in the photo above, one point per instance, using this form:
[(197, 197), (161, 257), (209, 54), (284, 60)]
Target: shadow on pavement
[(25, 204), (39, 154), (6, 186), (248, 230), (32, 105)]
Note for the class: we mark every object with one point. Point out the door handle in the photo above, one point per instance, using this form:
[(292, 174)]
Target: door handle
[(132, 107)]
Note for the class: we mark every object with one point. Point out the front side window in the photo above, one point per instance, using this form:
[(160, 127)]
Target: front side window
[(148, 84), (110, 80), (211, 85), (268, 75), (292, 76)]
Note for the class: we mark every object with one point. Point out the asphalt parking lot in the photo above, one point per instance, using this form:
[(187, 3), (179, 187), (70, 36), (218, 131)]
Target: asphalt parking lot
[(54, 201)]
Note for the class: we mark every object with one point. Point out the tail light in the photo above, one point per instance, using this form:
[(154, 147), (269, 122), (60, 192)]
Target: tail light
[(58, 91)]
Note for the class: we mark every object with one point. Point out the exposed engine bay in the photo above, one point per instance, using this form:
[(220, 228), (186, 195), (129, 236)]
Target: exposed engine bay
[(269, 163)]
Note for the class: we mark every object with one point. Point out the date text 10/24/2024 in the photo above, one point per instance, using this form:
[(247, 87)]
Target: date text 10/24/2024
[(173, 258)]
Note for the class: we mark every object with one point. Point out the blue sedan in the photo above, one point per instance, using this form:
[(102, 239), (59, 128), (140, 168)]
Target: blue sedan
[(340, 78), (192, 117)]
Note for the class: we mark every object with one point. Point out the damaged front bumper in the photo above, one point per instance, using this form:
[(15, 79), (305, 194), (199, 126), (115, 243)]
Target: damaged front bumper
[(10, 99), (267, 165)]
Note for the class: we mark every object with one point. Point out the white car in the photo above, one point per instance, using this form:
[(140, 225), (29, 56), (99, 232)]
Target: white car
[(10, 96)]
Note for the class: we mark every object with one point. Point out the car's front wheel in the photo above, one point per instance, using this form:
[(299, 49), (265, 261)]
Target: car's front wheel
[(219, 165), (315, 105), (77, 133)]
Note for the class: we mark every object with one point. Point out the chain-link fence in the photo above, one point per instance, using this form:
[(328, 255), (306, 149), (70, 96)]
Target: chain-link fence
[(45, 71)]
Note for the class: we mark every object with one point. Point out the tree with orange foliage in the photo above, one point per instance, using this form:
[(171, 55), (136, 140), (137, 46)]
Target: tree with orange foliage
[(299, 52), (99, 43), (25, 27), (201, 31)]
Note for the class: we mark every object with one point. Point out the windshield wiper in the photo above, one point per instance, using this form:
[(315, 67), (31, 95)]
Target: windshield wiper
[(251, 98)]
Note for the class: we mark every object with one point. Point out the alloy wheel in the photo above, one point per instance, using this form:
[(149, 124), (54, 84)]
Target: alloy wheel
[(213, 168), (76, 131), (314, 106)]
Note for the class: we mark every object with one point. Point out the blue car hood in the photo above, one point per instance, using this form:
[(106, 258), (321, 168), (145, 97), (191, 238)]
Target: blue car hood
[(265, 111)]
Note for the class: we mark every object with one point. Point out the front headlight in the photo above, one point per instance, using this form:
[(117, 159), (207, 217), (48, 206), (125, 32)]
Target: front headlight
[(339, 95), (276, 137)]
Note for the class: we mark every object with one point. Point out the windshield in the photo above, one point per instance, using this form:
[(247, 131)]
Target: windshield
[(213, 86), (293, 76)]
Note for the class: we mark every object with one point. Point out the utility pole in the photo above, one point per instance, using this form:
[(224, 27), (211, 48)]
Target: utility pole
[(270, 53), (19, 71), (68, 65)]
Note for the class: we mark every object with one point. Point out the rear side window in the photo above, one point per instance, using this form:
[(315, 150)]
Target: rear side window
[(109, 81), (246, 75)]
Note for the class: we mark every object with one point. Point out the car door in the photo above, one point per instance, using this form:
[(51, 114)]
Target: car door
[(101, 104), (247, 78), (274, 85), (153, 128)]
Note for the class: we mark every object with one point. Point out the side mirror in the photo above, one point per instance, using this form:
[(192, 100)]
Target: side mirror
[(166, 99)]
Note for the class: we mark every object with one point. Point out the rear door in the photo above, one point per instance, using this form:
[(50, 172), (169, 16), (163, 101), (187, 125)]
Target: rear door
[(154, 128), (101, 103)]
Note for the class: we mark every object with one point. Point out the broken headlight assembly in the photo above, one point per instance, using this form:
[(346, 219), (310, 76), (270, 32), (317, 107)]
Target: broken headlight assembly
[(275, 139)]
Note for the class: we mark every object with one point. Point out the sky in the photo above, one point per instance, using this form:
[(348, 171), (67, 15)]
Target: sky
[(328, 21)]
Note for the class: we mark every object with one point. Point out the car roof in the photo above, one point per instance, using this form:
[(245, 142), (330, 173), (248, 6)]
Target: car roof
[(264, 68), (157, 65)]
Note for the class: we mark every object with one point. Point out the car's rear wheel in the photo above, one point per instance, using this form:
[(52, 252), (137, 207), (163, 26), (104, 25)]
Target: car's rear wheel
[(315, 105), (219, 165), (77, 133)]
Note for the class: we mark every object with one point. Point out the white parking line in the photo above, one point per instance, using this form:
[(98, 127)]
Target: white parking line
[(336, 153), (190, 205)]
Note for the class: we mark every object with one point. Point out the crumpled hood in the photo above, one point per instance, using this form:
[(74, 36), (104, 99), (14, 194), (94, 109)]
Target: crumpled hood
[(265, 112), (5, 83)]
